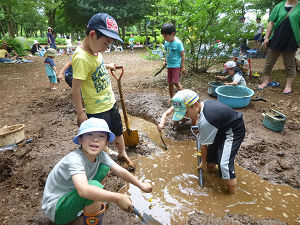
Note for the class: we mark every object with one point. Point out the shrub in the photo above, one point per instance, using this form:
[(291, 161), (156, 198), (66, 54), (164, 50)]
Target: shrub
[(15, 44)]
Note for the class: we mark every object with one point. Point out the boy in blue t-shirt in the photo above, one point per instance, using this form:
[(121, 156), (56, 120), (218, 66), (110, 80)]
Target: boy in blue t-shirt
[(175, 57), (50, 67)]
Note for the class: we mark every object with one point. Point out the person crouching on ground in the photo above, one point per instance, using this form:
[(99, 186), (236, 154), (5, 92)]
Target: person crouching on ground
[(74, 184), (50, 67), (221, 132), (232, 73)]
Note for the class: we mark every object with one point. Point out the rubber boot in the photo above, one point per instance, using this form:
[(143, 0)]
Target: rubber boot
[(95, 218)]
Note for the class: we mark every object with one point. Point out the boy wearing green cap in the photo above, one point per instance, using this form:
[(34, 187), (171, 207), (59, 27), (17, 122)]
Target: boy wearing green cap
[(74, 184), (221, 131)]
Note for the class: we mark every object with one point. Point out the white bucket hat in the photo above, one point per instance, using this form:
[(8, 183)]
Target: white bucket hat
[(35, 42), (92, 125), (229, 65)]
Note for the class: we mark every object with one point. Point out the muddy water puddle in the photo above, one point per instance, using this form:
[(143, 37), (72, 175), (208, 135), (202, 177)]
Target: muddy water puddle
[(176, 192)]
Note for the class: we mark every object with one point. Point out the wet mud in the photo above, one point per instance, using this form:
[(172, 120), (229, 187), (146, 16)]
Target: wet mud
[(50, 121)]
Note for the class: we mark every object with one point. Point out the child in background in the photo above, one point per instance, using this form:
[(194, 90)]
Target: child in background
[(91, 81), (131, 42), (221, 132), (175, 57), (50, 67), (69, 44), (74, 184), (233, 74)]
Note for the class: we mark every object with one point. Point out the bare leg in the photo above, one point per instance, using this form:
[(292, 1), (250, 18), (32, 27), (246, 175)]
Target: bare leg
[(120, 144), (288, 85), (211, 166), (232, 186), (178, 86), (93, 208), (171, 90)]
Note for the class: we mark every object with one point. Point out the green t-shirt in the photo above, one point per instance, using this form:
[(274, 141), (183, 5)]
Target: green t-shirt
[(96, 89), (279, 13)]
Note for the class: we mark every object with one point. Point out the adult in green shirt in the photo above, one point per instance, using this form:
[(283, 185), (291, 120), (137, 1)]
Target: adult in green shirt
[(282, 38)]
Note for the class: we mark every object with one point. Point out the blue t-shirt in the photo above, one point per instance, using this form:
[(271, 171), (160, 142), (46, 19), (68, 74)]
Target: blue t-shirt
[(51, 38), (49, 64), (173, 50)]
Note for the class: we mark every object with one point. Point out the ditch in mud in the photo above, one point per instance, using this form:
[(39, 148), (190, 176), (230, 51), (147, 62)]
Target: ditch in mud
[(51, 121)]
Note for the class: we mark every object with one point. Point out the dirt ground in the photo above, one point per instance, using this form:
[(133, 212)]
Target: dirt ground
[(50, 121)]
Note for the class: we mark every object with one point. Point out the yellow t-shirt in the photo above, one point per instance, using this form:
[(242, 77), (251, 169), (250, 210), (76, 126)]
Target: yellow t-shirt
[(3, 53), (96, 89)]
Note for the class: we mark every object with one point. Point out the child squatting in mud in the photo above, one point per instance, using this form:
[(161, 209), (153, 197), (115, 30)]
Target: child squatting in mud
[(221, 132), (74, 182)]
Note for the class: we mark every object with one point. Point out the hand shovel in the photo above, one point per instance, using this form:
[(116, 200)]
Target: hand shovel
[(146, 219), (163, 141), (198, 155), (131, 137)]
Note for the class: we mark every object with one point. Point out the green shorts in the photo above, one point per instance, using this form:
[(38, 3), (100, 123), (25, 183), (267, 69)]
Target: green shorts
[(71, 203)]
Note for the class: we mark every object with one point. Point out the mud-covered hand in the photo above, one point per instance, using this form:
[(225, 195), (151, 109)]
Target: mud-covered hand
[(182, 70), (201, 166), (125, 203), (146, 187), (160, 126)]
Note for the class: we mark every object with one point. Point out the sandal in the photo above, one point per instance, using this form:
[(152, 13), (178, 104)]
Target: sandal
[(262, 86), (287, 91)]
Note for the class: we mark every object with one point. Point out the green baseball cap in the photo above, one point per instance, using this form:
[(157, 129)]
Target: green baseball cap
[(181, 101)]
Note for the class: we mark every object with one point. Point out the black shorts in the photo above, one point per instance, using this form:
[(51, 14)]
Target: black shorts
[(112, 118), (224, 149)]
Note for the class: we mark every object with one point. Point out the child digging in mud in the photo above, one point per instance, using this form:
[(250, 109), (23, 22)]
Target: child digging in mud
[(221, 132), (233, 74), (91, 81), (74, 184)]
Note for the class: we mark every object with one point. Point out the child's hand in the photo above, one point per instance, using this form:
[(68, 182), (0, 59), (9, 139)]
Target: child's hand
[(165, 64), (160, 127), (182, 70), (81, 118), (146, 187), (201, 166), (111, 66), (125, 203)]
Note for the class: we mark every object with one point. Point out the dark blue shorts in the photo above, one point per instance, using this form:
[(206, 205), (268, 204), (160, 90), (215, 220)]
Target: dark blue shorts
[(225, 148), (69, 78), (112, 118), (257, 37)]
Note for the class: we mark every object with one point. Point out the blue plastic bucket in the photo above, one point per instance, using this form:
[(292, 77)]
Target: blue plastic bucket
[(234, 96), (212, 85)]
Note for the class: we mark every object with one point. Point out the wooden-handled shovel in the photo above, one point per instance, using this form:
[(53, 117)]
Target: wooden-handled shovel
[(198, 154), (146, 219), (131, 137)]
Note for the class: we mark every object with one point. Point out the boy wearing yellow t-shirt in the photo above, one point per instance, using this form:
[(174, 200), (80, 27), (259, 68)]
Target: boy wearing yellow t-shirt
[(91, 79)]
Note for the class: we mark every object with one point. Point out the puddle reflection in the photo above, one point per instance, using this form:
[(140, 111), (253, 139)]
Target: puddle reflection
[(177, 194)]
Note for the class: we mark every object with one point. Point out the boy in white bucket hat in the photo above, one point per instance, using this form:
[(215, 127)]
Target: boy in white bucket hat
[(74, 182), (221, 132), (233, 74)]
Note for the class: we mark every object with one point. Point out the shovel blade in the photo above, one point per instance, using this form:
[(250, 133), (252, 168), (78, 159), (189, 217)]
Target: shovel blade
[(149, 220), (131, 138)]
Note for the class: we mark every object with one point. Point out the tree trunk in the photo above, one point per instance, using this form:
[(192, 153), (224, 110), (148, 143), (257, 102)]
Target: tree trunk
[(8, 15)]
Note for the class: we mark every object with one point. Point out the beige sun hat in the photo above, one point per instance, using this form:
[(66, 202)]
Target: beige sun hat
[(51, 52), (298, 54), (35, 42), (49, 28)]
